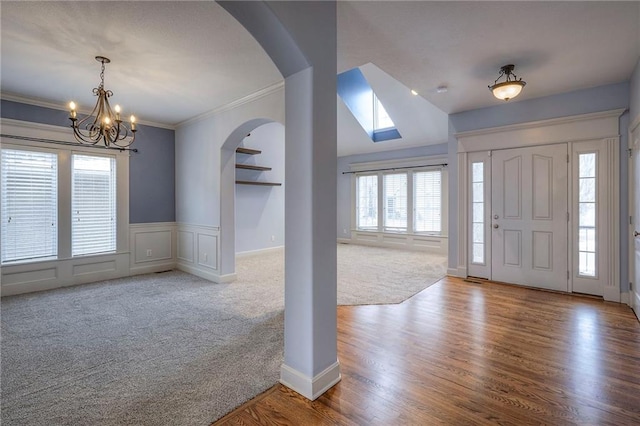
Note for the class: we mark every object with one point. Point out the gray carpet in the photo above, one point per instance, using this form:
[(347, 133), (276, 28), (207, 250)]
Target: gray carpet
[(170, 348)]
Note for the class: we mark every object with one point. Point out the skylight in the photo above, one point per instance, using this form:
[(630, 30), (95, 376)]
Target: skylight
[(381, 119), (359, 97)]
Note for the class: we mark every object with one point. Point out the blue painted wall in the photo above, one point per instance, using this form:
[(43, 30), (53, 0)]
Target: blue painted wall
[(344, 180), (151, 170), (602, 98)]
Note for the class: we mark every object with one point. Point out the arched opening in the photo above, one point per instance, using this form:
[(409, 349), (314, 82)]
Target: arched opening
[(269, 203)]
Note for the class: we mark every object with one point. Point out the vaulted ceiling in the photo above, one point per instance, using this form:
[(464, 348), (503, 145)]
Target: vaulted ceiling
[(172, 61)]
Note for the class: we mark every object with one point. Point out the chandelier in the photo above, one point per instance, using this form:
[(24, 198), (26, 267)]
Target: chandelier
[(103, 124), (511, 87)]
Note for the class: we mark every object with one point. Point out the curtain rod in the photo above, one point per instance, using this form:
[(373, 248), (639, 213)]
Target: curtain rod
[(396, 168), (26, 138)]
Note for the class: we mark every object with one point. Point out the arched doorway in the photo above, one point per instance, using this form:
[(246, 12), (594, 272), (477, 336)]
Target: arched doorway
[(228, 237)]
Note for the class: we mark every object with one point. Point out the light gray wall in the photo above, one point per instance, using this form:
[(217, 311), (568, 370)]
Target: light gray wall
[(344, 180), (151, 169), (198, 146), (634, 90), (585, 101), (260, 209)]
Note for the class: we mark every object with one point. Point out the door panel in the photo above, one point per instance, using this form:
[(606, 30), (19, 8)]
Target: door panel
[(529, 223)]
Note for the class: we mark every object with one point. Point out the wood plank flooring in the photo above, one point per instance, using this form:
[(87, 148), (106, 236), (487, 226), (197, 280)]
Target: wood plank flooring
[(460, 353)]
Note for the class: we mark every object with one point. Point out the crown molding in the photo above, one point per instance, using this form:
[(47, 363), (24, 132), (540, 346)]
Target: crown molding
[(235, 104), (547, 122), (53, 105)]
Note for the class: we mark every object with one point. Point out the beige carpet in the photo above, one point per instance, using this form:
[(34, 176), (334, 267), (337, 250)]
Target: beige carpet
[(373, 275), (366, 275)]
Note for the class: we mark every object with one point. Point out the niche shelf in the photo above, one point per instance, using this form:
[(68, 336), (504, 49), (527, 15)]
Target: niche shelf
[(257, 183), (250, 151)]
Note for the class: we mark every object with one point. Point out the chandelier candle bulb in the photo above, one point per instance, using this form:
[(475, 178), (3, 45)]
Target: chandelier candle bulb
[(72, 110), (117, 108), (133, 123)]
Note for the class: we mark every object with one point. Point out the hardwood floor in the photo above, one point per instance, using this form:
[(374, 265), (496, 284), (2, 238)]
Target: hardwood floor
[(463, 353)]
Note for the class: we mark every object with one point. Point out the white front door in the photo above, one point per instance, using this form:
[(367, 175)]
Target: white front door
[(529, 201)]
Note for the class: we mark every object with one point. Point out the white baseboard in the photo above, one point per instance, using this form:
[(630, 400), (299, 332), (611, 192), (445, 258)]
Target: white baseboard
[(635, 297), (460, 272), (206, 274), (258, 252), (625, 298), (310, 387), (149, 269)]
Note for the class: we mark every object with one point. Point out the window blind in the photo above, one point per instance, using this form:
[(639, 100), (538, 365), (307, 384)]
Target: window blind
[(427, 198), (93, 226), (29, 205), (395, 202), (367, 202)]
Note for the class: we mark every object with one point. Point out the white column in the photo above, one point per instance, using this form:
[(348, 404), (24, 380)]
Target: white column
[(300, 37)]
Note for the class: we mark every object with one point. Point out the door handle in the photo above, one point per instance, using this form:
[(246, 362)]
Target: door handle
[(636, 234), (496, 226)]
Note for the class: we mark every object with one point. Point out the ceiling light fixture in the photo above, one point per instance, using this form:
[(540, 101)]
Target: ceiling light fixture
[(511, 87), (413, 92), (102, 124)]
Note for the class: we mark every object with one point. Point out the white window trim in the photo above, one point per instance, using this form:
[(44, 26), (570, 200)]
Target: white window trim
[(68, 270), (409, 239)]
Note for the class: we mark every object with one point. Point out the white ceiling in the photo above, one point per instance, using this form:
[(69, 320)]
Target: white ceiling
[(172, 61)]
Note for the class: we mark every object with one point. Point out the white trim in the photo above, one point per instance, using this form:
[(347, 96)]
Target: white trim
[(344, 241), (541, 123), (206, 274), (625, 298), (310, 387), (234, 104), (459, 272), (47, 275), (438, 244), (596, 126), (635, 302), (86, 111), (600, 125), (251, 253), (149, 236)]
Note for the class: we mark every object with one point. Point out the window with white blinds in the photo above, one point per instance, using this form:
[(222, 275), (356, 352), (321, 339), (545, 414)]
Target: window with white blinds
[(367, 202), (93, 215), (395, 201), (29, 205), (427, 199)]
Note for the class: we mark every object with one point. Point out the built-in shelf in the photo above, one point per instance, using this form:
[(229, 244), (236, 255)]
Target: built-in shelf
[(253, 182), (252, 167), (248, 151)]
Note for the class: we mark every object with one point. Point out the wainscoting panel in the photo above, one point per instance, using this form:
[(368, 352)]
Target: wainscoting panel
[(153, 247), (50, 274), (435, 244), (199, 251)]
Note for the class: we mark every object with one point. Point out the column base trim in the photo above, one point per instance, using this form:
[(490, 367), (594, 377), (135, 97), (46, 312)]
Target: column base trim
[(310, 387)]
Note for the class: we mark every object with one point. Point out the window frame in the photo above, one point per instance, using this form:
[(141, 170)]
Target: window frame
[(65, 153), (411, 210)]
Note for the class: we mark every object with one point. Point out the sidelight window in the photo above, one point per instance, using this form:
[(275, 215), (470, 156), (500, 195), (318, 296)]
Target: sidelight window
[(587, 208), (477, 212)]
